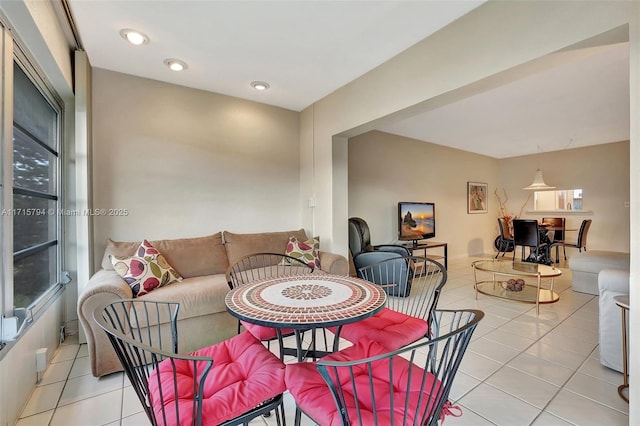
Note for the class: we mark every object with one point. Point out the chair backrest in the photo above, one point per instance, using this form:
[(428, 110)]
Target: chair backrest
[(404, 386), (134, 330), (258, 266), (582, 233), (526, 232), (505, 233), (413, 283), (359, 236), (559, 222)]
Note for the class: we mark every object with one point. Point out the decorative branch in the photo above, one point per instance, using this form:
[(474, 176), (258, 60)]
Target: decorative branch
[(524, 205), (503, 204), (502, 210)]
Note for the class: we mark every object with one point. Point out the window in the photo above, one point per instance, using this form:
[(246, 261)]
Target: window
[(35, 198), (566, 199)]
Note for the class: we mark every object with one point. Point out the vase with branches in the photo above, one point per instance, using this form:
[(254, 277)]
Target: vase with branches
[(504, 212)]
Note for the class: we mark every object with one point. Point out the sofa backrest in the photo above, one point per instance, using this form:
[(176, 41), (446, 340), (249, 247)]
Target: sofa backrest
[(191, 257), (238, 245)]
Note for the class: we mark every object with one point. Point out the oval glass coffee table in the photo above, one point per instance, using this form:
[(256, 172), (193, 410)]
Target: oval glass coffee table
[(492, 279)]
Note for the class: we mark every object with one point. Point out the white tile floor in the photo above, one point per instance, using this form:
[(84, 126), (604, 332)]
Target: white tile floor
[(520, 369)]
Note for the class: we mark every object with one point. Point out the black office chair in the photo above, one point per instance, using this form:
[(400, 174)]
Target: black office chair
[(526, 233), (580, 243), (360, 240), (558, 234), (362, 252), (505, 240)]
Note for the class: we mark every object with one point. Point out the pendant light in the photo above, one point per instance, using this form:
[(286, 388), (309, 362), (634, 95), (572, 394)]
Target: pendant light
[(538, 182)]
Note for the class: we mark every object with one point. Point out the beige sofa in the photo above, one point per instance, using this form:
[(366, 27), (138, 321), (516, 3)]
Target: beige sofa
[(203, 262)]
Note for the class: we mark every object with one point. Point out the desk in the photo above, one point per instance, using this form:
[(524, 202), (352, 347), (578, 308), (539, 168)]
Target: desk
[(306, 302), (503, 268), (426, 245), (623, 303)]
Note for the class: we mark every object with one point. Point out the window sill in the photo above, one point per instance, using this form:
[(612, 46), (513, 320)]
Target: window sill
[(567, 212)]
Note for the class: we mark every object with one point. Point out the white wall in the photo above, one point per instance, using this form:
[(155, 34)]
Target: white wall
[(385, 169), (18, 368), (185, 162)]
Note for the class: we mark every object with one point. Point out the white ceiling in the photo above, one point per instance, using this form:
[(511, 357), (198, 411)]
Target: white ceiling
[(307, 49)]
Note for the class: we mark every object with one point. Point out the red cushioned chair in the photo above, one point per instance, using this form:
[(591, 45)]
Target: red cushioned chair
[(367, 385), (228, 383), (258, 266), (413, 285)]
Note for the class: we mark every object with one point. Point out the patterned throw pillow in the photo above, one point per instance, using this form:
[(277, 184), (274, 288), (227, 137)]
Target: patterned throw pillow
[(146, 270), (306, 251)]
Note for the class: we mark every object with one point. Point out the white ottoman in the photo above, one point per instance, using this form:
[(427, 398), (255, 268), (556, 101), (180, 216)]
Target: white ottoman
[(585, 267), (612, 283)]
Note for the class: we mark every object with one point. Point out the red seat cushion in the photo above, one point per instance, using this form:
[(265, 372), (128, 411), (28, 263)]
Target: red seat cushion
[(243, 375), (263, 333), (389, 328), (313, 396)]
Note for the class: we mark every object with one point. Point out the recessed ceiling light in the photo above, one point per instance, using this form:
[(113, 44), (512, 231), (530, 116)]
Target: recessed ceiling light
[(175, 64), (260, 85), (134, 37)]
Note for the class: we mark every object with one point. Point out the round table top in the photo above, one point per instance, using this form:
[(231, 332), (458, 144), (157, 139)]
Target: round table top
[(305, 301), (622, 301)]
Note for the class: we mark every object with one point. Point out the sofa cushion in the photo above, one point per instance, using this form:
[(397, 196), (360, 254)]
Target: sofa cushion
[(305, 251), (238, 245), (197, 296), (146, 271), (191, 257), (594, 261)]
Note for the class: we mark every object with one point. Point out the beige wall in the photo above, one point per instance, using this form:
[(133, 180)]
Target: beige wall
[(185, 162), (385, 169), (601, 171)]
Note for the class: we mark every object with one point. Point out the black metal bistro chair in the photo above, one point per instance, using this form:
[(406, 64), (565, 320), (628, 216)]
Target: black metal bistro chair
[(366, 384), (228, 383)]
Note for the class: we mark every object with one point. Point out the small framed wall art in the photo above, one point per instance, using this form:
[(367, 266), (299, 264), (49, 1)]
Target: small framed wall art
[(476, 197)]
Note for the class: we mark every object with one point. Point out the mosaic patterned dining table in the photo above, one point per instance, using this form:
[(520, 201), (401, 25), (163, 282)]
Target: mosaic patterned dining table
[(307, 301)]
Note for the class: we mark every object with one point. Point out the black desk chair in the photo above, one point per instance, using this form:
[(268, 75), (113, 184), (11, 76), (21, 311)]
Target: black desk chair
[(526, 233)]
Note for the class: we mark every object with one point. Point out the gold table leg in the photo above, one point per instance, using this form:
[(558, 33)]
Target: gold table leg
[(625, 372)]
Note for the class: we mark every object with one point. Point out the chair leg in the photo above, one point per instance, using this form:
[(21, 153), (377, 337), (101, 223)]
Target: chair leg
[(298, 417), (564, 251)]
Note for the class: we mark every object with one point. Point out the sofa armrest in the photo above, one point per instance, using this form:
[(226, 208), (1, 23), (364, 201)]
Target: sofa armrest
[(613, 280), (611, 283), (333, 263), (103, 287)]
